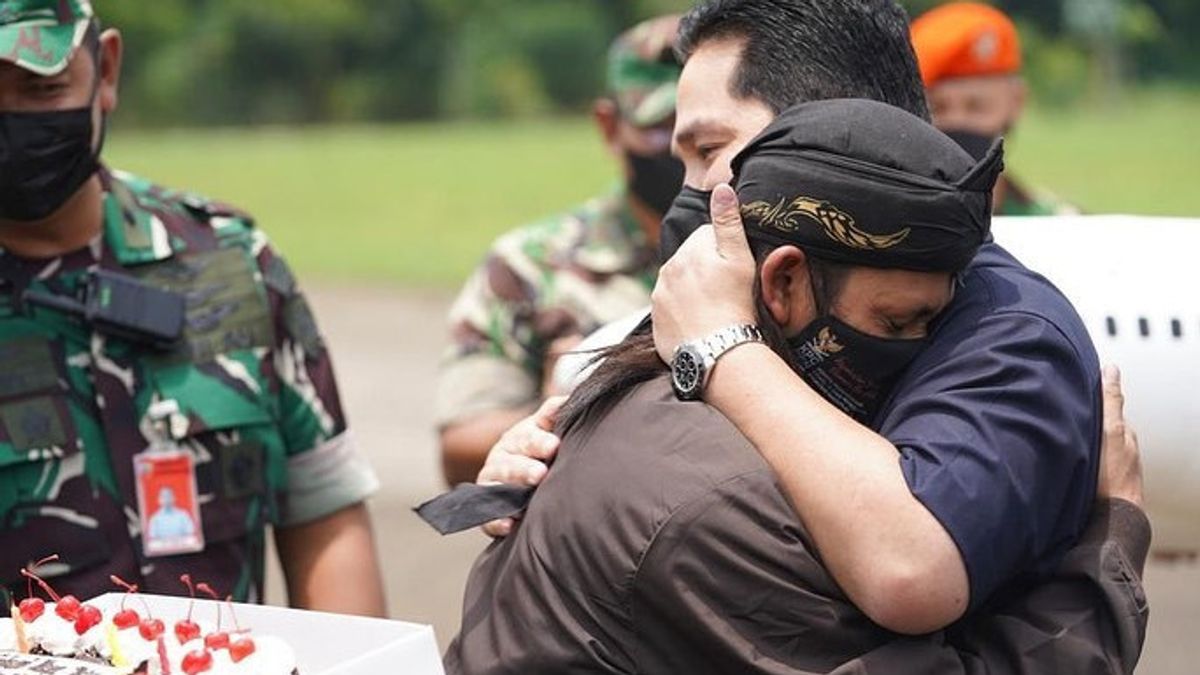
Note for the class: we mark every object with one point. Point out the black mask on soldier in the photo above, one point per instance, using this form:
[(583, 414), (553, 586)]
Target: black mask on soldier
[(688, 213), (852, 370), (976, 144), (45, 157), (655, 179)]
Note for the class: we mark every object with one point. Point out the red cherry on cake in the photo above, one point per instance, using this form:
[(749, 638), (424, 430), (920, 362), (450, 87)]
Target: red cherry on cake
[(215, 641), (126, 618), (240, 649), (197, 661), (186, 630), (88, 617), (150, 629), (67, 607), (31, 609)]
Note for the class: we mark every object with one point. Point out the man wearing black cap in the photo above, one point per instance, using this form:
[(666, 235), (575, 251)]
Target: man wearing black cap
[(984, 451), (698, 563), (979, 464)]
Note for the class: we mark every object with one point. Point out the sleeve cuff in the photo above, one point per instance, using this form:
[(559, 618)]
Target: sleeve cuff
[(326, 479), (1124, 523)]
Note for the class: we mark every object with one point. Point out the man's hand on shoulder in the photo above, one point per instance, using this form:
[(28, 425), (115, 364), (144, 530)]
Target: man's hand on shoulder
[(709, 283), (522, 456)]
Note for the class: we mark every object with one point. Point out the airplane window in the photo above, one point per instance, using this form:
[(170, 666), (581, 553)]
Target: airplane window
[(1144, 327), (1111, 323), (1176, 328)]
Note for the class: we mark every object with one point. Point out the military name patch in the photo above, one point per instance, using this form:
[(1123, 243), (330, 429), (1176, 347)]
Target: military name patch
[(33, 423), (26, 366), (242, 471)]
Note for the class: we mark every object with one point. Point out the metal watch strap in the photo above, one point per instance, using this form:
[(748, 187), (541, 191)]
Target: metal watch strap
[(729, 337), (720, 342)]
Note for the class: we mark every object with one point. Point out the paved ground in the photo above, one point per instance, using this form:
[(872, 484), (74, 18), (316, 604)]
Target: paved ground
[(386, 345)]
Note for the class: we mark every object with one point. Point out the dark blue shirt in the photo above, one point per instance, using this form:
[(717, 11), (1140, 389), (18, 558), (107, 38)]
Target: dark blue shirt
[(998, 423)]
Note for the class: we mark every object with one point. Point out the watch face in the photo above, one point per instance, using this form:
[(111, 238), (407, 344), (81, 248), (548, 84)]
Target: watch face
[(687, 372)]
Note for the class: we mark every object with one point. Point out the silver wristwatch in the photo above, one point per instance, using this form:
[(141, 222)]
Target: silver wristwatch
[(693, 361)]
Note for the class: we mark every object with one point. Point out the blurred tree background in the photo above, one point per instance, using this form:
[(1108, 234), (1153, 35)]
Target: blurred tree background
[(233, 62)]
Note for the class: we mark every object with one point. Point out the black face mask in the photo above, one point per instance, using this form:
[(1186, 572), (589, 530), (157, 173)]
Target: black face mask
[(655, 179), (687, 214), (44, 159), (852, 370), (975, 143)]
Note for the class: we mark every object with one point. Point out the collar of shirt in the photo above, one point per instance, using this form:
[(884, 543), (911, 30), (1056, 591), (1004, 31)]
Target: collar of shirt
[(133, 230)]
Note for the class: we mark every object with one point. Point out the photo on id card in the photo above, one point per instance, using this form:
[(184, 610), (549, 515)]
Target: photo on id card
[(167, 503)]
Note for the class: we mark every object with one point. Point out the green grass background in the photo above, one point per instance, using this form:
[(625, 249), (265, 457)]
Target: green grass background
[(417, 205)]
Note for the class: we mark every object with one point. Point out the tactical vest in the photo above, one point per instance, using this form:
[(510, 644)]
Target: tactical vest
[(74, 403)]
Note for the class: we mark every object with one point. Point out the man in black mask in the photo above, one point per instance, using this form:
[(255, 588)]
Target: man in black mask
[(661, 541), (544, 286), (979, 464), (133, 316), (970, 59)]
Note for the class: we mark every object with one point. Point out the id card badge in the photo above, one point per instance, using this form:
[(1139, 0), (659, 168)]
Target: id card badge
[(168, 507)]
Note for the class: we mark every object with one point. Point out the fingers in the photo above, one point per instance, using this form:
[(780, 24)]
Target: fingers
[(520, 457), (1114, 402), (727, 223), (512, 470), (1120, 457), (498, 529), (547, 414)]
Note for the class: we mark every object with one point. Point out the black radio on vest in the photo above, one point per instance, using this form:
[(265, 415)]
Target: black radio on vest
[(124, 308)]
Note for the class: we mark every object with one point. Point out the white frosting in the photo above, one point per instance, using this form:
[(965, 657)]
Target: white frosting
[(271, 656), (57, 636), (132, 646)]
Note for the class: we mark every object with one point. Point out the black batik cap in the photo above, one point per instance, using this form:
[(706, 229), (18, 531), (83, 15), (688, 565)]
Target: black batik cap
[(864, 183)]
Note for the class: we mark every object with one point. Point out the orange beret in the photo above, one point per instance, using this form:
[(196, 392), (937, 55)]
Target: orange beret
[(964, 39)]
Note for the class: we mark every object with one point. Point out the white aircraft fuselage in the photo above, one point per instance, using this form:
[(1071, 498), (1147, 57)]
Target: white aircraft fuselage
[(1135, 280)]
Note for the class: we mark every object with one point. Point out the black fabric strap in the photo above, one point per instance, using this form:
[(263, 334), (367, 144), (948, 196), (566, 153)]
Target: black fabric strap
[(469, 505)]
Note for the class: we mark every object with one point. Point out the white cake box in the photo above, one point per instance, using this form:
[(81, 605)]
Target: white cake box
[(325, 644)]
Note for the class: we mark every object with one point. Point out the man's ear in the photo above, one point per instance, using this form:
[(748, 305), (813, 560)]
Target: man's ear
[(786, 288), (111, 53), (608, 119)]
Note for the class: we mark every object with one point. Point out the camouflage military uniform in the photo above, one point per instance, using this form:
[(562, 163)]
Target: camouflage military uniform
[(1020, 201), (258, 406), (567, 275)]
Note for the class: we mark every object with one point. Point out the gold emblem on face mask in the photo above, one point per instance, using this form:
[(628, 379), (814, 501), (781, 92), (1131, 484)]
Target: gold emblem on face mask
[(826, 342), (838, 225)]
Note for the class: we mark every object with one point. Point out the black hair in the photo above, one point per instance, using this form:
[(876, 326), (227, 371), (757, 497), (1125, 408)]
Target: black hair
[(810, 50), (635, 360)]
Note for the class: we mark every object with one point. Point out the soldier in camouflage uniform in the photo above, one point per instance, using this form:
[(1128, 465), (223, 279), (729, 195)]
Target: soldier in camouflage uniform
[(970, 59), (545, 285), (248, 391)]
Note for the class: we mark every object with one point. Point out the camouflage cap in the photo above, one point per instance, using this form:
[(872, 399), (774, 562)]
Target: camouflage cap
[(41, 35), (643, 71)]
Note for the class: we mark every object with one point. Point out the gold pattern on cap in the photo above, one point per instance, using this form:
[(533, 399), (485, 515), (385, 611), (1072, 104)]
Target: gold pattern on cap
[(838, 225)]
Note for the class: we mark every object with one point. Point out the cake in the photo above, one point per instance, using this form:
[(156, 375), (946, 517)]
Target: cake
[(79, 637)]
